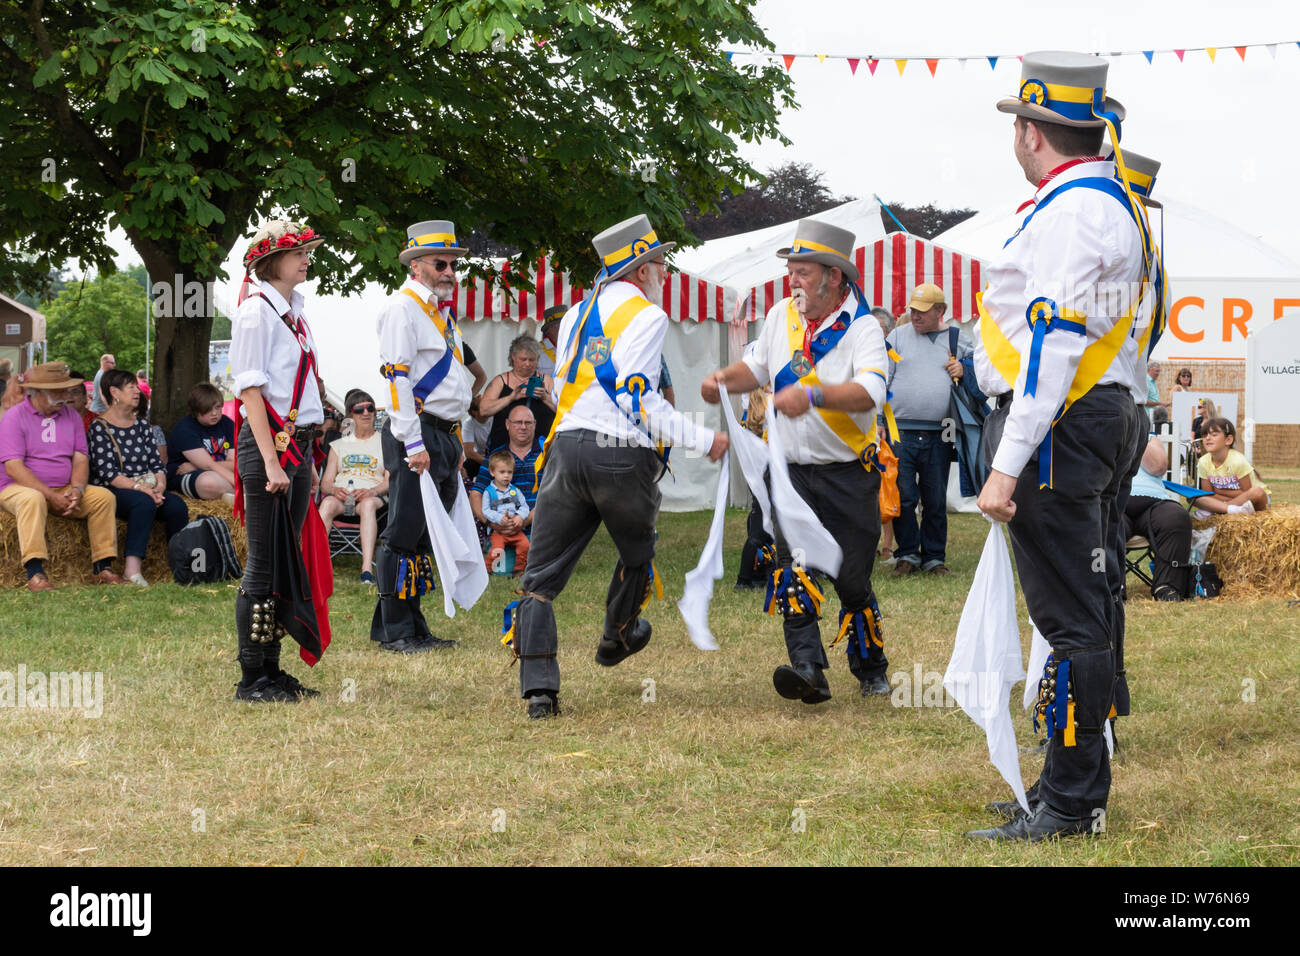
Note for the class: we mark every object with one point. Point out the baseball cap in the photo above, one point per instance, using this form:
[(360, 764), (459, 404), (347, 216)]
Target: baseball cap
[(926, 295)]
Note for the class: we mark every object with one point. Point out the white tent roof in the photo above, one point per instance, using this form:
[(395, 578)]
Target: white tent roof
[(1195, 243), (745, 260)]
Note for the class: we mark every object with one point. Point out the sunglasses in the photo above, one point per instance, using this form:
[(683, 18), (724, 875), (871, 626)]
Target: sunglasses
[(366, 409), (442, 265)]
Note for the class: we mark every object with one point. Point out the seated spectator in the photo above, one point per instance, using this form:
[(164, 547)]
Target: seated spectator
[(524, 447), (6, 373), (80, 402), (1226, 472), (201, 450), (145, 391), (1162, 521), (474, 432), (356, 467), (46, 468), (12, 395), (124, 459), (520, 386), (504, 507), (1182, 381)]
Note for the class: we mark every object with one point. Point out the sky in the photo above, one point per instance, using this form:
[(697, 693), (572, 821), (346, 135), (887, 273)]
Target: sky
[(1223, 130)]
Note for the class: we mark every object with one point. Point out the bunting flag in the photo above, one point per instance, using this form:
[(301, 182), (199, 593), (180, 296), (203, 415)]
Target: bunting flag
[(932, 62)]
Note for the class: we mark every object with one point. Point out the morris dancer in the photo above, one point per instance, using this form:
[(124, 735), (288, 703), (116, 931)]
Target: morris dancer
[(1064, 299), (273, 361), (429, 385), (600, 459), (825, 354)]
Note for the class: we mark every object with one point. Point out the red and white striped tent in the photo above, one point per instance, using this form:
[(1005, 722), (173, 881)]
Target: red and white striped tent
[(891, 268), (529, 296)]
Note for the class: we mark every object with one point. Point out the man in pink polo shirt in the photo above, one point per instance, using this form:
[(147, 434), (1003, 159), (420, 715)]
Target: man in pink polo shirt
[(45, 467)]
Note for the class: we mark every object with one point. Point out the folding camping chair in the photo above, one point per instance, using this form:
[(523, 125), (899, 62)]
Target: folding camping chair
[(1139, 553), (345, 533)]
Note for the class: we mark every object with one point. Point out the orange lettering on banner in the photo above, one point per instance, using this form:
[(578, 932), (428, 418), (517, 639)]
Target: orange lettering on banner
[(1281, 305), (1175, 309), (1236, 313)]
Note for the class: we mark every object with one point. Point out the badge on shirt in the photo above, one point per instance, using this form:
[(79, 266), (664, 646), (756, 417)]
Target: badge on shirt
[(800, 365), (597, 350)]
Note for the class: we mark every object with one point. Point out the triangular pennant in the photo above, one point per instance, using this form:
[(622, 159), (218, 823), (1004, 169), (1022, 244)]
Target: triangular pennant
[(1211, 50), (730, 54), (993, 63), (853, 65), (1179, 54), (1272, 49), (821, 57), (1241, 51), (933, 65), (789, 59), (961, 61), (1021, 59), (1148, 54), (902, 65), (872, 63)]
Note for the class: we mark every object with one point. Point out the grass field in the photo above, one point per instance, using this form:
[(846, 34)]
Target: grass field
[(432, 761)]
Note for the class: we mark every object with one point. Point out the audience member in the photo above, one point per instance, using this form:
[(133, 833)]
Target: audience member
[(521, 386), (474, 432), (889, 462), (1153, 394), (6, 373), (201, 451), (1182, 381), (106, 362), (505, 510), (1205, 410), (474, 367), (666, 383), (550, 329), (524, 447), (1226, 472), (355, 469), (76, 397), (922, 369), (46, 468), (124, 459), (142, 380), (12, 395), (1163, 522)]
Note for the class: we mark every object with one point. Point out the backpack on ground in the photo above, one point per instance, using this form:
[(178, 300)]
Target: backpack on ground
[(203, 551)]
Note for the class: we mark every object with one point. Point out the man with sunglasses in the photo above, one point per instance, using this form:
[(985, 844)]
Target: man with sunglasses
[(429, 387)]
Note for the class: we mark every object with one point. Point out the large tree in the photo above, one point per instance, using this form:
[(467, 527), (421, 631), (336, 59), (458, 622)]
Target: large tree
[(787, 192), (534, 122)]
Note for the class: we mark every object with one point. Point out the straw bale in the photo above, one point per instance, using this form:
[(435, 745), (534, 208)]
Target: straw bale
[(1257, 555), (69, 546)]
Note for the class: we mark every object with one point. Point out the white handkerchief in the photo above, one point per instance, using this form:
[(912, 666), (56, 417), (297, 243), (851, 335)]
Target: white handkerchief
[(698, 591), (809, 543), (461, 570), (751, 454), (986, 658)]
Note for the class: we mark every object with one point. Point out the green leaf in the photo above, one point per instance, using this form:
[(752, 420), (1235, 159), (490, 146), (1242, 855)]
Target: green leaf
[(49, 71)]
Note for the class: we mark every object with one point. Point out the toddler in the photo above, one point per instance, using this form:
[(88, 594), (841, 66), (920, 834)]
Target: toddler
[(504, 505)]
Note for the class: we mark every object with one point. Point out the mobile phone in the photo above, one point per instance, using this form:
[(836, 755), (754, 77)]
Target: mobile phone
[(534, 384)]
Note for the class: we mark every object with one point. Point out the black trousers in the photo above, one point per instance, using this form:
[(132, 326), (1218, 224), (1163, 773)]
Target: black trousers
[(254, 657), (756, 539), (1168, 526), (1064, 546), (587, 479), (407, 533), (1115, 570), (845, 497)]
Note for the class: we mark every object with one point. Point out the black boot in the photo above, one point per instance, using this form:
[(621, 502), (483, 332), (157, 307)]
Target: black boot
[(253, 622)]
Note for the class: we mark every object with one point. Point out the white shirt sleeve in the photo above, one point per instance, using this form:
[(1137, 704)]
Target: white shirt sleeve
[(397, 347), (250, 346), (1064, 266), (664, 422), (870, 360)]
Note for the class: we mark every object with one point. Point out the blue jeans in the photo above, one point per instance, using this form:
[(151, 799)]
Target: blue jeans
[(924, 460), (139, 512)]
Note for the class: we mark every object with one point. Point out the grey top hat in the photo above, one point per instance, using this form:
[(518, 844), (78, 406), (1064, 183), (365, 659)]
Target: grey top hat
[(823, 243), (431, 237), (1065, 88), (623, 247), (1141, 175)]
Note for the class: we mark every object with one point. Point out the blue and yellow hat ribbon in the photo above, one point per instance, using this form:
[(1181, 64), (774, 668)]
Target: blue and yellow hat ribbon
[(620, 258), (432, 240)]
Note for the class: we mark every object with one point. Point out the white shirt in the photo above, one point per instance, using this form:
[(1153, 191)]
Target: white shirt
[(638, 350), (1083, 252), (407, 336), (264, 354), (360, 459), (858, 357)]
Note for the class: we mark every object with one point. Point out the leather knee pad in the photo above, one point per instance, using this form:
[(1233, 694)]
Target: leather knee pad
[(1093, 674)]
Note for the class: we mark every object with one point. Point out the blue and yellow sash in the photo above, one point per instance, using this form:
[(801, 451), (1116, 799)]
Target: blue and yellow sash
[(433, 377)]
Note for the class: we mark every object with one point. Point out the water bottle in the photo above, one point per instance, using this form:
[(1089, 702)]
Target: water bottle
[(350, 503)]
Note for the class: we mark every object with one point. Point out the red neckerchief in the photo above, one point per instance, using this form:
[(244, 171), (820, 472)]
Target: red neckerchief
[(808, 332), (1056, 172)]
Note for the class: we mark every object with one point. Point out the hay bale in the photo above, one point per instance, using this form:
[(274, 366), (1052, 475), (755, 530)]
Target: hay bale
[(1257, 555), (68, 542)]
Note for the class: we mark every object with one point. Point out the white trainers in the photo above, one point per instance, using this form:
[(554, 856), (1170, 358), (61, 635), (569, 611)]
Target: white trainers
[(138, 580), (1247, 509)]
